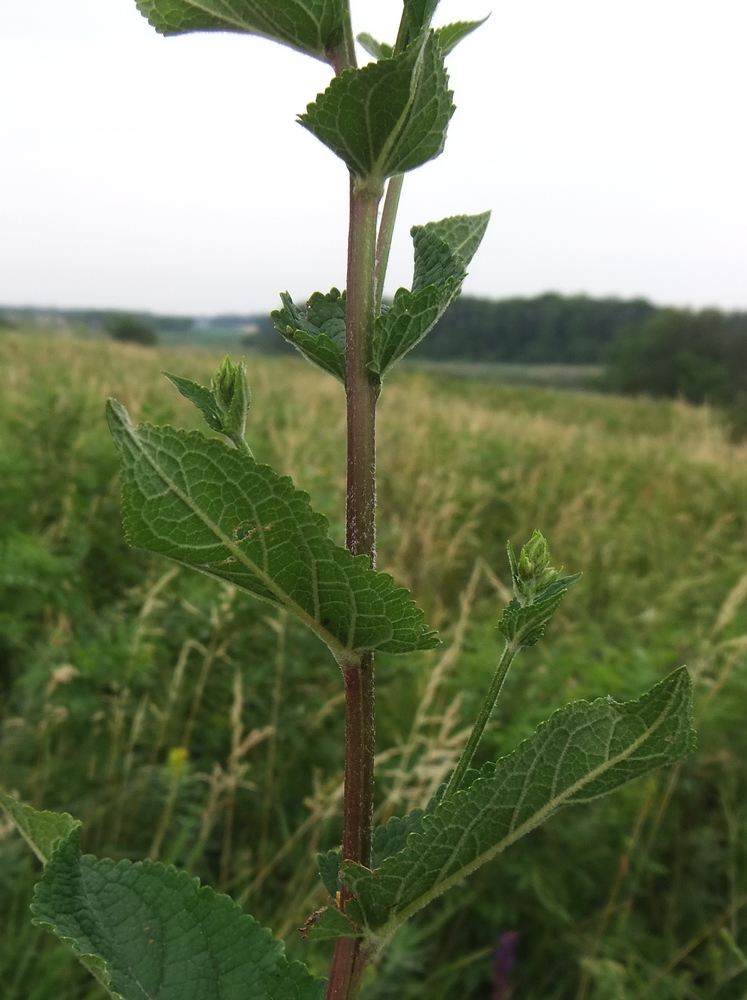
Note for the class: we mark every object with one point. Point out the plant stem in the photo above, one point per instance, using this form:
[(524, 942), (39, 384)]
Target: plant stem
[(393, 192), (361, 388), (507, 658), (386, 232), (362, 393), (342, 56)]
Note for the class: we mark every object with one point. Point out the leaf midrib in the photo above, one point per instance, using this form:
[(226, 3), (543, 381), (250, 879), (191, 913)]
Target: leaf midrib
[(336, 647)]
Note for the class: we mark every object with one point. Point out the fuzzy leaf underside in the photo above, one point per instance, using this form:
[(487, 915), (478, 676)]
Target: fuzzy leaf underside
[(149, 932), (311, 26), (581, 752), (450, 35), (389, 116), (318, 332), (211, 507), (442, 252), (42, 831)]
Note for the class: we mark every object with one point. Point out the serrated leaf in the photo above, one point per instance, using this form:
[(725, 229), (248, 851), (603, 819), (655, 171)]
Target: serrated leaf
[(318, 332), (42, 831), (328, 866), (311, 26), (379, 50), (524, 625), (460, 234), (387, 117), (406, 322), (201, 397), (419, 14), (206, 505), (582, 752), (328, 925), (392, 838), (442, 251), (148, 931), (450, 35), (435, 261)]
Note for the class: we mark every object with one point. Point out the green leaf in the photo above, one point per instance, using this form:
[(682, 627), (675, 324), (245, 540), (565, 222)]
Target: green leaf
[(391, 838), (201, 396), (225, 404), (329, 871), (329, 924), (209, 506), (379, 50), (583, 751), (311, 26), (387, 117), (405, 323), (42, 831), (462, 234), (148, 931), (318, 332), (442, 252), (450, 35), (525, 625), (419, 14)]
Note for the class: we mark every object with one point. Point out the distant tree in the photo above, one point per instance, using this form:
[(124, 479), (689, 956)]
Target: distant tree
[(698, 356), (174, 324), (126, 327), (5, 323), (547, 329)]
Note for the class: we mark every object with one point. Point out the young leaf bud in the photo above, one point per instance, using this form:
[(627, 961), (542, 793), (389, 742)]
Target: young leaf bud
[(534, 558)]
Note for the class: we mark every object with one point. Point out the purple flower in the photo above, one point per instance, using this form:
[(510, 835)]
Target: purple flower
[(504, 959)]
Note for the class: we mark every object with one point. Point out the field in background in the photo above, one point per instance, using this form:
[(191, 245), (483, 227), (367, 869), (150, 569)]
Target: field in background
[(548, 376), (113, 663)]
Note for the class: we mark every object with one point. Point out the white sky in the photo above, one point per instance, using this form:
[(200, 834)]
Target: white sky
[(140, 172)]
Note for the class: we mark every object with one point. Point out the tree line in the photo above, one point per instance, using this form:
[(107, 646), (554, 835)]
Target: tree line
[(700, 356)]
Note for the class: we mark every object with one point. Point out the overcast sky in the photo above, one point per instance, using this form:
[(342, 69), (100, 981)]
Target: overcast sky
[(169, 174)]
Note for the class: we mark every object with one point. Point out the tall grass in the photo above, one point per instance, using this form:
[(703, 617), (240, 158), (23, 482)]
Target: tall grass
[(176, 717)]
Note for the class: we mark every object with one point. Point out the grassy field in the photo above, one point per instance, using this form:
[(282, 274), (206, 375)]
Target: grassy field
[(180, 720), (547, 376)]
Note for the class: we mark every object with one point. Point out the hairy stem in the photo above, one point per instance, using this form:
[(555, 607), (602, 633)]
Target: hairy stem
[(360, 386), (507, 658), (362, 392)]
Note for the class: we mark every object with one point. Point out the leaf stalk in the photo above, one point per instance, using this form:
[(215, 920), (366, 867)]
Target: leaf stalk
[(504, 665)]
